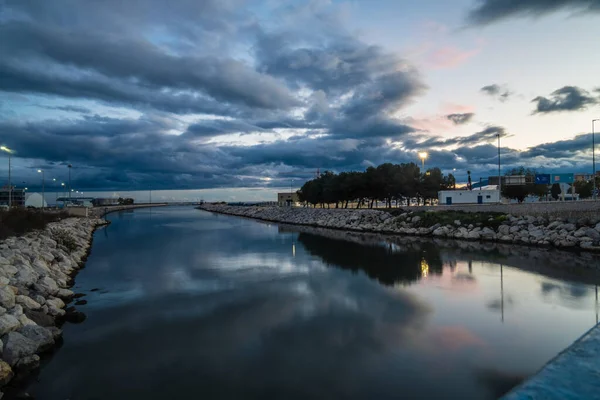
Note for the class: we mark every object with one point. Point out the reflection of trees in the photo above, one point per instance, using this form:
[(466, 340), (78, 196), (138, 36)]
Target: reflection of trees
[(386, 263)]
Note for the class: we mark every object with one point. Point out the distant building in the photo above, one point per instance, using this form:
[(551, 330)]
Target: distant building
[(287, 199), (450, 197), (35, 200), (17, 196), (102, 202)]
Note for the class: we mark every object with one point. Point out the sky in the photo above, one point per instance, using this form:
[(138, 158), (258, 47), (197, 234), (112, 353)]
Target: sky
[(241, 98)]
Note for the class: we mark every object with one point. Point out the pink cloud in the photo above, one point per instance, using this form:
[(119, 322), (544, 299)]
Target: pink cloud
[(449, 57)]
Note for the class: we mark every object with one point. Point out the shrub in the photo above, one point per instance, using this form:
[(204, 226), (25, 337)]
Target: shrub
[(19, 221), (483, 219)]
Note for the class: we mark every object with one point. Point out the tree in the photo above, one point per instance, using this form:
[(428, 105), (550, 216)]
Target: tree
[(555, 191), (520, 192), (584, 189)]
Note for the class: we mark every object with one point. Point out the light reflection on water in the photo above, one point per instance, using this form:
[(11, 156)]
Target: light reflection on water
[(254, 310)]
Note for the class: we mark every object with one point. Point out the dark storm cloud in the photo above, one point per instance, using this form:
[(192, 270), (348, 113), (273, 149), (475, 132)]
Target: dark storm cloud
[(489, 11), (139, 61), (485, 136), (76, 109), (567, 148), (460, 119), (567, 98), (496, 91)]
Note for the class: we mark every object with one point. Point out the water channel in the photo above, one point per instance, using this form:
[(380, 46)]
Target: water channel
[(183, 303)]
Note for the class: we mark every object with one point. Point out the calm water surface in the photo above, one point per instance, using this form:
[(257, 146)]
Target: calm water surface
[(187, 304)]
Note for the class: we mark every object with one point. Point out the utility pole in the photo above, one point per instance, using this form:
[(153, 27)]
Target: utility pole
[(9, 184), (499, 176), (70, 166), (594, 196)]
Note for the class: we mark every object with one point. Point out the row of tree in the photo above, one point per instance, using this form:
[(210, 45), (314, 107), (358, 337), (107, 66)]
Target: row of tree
[(388, 183), (405, 183)]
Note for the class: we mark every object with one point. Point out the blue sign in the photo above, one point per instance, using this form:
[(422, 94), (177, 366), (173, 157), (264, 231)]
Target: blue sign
[(542, 179), (563, 178)]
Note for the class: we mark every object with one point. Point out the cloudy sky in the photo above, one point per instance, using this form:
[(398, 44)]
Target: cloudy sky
[(249, 94)]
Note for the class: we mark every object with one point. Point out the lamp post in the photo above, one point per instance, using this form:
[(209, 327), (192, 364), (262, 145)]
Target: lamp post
[(499, 176), (291, 192), (454, 178), (594, 196), (70, 190), (41, 171), (423, 155), (9, 151)]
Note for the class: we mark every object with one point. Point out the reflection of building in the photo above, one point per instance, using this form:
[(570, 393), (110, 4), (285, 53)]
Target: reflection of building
[(287, 199), (17, 196), (449, 197)]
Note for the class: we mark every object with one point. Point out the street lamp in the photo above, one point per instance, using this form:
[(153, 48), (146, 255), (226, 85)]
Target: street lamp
[(70, 190), (423, 155), (41, 171), (499, 177), (291, 193), (594, 159), (9, 151)]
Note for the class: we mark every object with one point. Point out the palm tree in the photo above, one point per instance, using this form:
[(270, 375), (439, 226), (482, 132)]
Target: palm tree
[(469, 184)]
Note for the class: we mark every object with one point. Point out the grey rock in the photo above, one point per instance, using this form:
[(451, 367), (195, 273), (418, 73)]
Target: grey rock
[(514, 229), (592, 233), (8, 323), (16, 311), (504, 229), (41, 336), (40, 318), (7, 297), (16, 347), (28, 364), (581, 232), (569, 227), (46, 285), (28, 302)]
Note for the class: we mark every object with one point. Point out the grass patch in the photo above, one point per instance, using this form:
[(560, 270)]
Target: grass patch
[(482, 219), (18, 221)]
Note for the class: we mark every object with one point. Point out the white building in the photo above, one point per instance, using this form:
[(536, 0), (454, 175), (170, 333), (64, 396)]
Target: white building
[(35, 200), (449, 197)]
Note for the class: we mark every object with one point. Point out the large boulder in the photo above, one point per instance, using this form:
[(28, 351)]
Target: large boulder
[(43, 337), (6, 373), (8, 323), (55, 307), (40, 318), (47, 286), (28, 302), (7, 297), (16, 347)]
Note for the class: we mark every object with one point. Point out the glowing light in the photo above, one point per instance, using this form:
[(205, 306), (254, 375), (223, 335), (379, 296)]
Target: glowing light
[(39, 171), (293, 249), (424, 268), (423, 155), (6, 149)]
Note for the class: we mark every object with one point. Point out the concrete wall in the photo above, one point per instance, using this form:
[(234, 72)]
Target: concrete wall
[(102, 211), (568, 209), (469, 196)]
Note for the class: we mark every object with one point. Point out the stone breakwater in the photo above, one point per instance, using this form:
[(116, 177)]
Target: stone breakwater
[(561, 232), (36, 271)]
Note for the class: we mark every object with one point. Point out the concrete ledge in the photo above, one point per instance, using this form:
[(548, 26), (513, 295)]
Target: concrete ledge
[(102, 211), (573, 374)]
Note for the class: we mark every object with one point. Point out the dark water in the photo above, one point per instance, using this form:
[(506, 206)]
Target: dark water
[(196, 305)]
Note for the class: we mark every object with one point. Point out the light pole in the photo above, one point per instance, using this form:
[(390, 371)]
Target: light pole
[(454, 178), (70, 190), (41, 171), (423, 155), (594, 196), (291, 192), (63, 192), (9, 151), (499, 176)]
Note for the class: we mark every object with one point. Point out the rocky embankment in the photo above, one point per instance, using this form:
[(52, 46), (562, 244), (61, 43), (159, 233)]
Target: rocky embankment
[(561, 232), (36, 271)]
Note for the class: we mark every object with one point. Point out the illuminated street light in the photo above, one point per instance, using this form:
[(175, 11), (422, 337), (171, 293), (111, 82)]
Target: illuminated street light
[(9, 151), (41, 171), (594, 159), (423, 155)]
